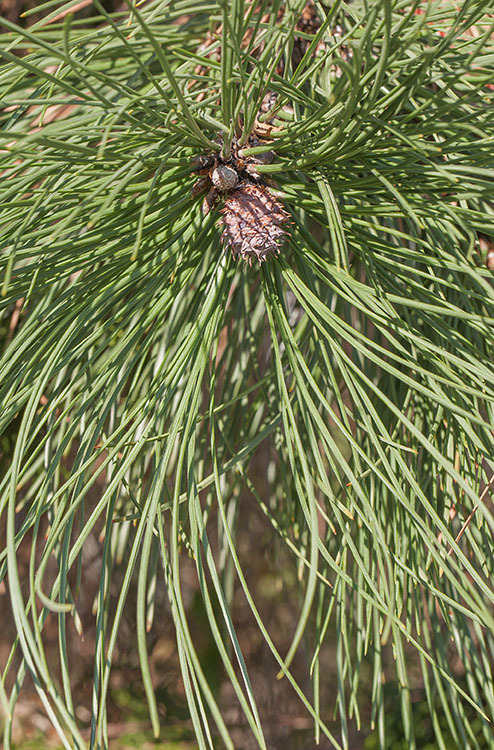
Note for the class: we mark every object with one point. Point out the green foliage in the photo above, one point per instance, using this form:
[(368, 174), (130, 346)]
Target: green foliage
[(148, 369)]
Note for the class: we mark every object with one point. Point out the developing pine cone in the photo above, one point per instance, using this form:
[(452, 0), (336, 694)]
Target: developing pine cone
[(252, 221)]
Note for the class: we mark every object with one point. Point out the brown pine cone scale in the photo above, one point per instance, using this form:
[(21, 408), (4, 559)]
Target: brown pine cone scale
[(252, 220)]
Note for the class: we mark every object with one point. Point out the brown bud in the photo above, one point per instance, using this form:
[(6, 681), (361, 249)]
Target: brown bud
[(224, 177)]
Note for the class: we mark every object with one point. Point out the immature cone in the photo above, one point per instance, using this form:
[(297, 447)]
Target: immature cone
[(252, 221)]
